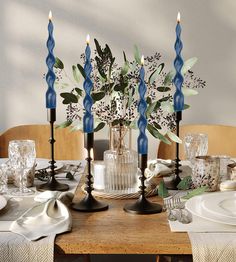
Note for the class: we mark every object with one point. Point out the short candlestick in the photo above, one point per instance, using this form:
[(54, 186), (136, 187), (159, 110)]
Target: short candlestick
[(89, 203)]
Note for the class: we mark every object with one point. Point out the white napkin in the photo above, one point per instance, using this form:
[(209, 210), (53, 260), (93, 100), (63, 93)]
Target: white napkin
[(50, 217)]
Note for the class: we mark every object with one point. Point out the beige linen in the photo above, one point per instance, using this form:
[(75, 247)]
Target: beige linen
[(213, 247)]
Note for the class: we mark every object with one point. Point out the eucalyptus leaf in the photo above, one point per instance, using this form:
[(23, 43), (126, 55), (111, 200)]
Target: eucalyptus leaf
[(69, 98), (189, 91), (134, 124), (174, 137), (125, 68), (185, 183), (64, 124), (167, 106), (169, 77), (69, 176), (98, 96), (152, 108), (163, 88), (125, 59), (153, 131), (99, 127), (188, 64), (76, 73), (162, 190), (81, 69), (155, 73), (79, 91), (195, 192), (186, 106), (137, 55), (98, 48), (58, 63)]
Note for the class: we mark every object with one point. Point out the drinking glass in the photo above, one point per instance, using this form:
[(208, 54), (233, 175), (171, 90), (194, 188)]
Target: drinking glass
[(3, 178), (22, 157), (195, 144)]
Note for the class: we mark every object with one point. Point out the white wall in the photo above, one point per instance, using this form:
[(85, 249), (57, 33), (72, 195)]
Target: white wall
[(209, 32)]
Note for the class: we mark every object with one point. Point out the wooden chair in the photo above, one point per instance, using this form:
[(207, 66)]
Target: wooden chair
[(221, 141), (69, 145)]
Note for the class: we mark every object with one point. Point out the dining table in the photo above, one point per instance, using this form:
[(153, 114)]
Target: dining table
[(115, 231)]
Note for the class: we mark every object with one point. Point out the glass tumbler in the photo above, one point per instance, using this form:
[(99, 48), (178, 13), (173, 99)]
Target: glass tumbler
[(22, 156), (195, 144), (206, 172)]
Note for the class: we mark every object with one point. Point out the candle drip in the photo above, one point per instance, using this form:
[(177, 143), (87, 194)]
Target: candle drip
[(88, 101), (142, 121), (50, 77), (178, 79)]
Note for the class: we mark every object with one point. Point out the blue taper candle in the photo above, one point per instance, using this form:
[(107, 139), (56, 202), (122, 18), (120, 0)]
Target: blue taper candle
[(50, 61), (88, 84), (178, 64), (142, 106)]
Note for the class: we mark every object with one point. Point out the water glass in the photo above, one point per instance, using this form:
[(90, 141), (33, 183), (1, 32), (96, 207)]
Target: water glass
[(22, 156), (206, 172), (3, 179), (195, 144)]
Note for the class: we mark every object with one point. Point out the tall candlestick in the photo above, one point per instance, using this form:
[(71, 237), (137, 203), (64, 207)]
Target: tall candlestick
[(142, 121), (50, 61), (142, 205), (88, 101), (178, 64)]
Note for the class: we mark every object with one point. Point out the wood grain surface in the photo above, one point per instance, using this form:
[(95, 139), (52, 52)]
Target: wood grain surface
[(117, 232)]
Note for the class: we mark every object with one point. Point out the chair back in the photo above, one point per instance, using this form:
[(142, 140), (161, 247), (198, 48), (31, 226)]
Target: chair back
[(221, 141), (69, 144)]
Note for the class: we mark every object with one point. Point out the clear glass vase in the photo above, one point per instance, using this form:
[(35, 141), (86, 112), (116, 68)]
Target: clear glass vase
[(121, 162)]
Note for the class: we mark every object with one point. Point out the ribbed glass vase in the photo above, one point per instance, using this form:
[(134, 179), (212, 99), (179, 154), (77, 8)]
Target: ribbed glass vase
[(121, 162)]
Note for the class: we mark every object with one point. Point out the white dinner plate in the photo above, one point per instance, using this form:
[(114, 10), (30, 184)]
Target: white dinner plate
[(3, 202), (195, 206), (44, 164), (221, 204)]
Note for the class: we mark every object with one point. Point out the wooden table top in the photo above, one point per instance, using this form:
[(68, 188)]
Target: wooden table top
[(117, 232)]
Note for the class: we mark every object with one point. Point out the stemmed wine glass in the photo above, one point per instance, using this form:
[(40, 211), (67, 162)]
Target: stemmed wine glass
[(22, 156)]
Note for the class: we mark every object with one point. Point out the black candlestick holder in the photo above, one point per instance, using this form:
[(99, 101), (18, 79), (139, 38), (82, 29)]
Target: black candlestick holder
[(177, 170), (89, 203), (142, 205), (52, 184)]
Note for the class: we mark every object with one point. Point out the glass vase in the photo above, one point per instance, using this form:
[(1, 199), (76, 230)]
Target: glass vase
[(121, 162)]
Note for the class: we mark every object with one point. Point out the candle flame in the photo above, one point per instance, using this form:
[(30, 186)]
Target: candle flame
[(87, 39), (50, 15), (142, 60), (178, 17)]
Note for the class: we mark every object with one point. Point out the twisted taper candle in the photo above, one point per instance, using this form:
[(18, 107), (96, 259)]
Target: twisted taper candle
[(88, 101), (50, 61), (142, 121), (178, 64)]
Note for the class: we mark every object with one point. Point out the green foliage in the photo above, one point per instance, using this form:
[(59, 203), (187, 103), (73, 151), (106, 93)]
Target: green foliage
[(58, 64), (81, 69), (157, 134), (162, 190), (69, 98), (185, 183), (196, 192), (76, 73), (99, 127), (137, 55), (98, 96), (155, 73), (64, 124)]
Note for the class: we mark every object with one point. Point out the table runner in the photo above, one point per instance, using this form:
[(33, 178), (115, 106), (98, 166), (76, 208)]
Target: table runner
[(212, 247), (14, 247)]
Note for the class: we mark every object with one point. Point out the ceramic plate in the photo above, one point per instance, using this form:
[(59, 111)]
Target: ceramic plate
[(196, 207), (221, 204), (3, 202)]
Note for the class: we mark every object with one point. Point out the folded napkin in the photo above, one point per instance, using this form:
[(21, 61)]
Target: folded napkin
[(50, 217), (213, 247)]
